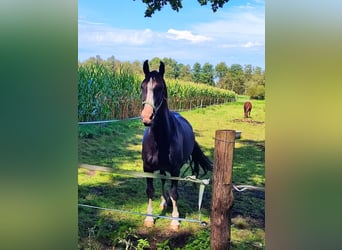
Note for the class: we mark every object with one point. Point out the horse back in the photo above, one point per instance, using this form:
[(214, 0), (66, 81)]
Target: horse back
[(184, 126), (247, 107)]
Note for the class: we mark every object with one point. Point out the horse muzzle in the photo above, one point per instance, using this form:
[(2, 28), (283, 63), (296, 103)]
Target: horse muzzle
[(146, 122), (147, 115)]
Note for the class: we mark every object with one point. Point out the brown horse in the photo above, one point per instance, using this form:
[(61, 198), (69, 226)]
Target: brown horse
[(247, 108)]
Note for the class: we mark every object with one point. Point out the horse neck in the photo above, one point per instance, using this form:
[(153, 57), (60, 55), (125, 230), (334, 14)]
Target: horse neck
[(162, 125)]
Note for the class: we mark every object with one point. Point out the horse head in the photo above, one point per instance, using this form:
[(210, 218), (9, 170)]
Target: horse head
[(154, 93)]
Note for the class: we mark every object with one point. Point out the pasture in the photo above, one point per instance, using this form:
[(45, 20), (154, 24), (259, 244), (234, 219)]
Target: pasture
[(118, 145)]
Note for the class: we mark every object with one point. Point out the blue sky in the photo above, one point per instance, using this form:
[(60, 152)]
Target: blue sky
[(234, 34)]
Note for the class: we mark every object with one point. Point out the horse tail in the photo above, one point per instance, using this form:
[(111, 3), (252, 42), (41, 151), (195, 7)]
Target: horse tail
[(199, 159)]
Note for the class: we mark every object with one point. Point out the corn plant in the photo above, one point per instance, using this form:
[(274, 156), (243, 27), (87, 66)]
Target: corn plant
[(108, 93), (103, 92)]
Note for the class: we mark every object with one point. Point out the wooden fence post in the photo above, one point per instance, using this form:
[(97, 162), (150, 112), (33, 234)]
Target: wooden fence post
[(222, 195)]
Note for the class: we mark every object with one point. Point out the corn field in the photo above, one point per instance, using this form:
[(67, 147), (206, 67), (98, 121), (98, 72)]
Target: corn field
[(105, 93)]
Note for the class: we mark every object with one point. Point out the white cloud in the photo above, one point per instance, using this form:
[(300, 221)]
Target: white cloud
[(186, 35), (251, 44), (91, 34), (236, 35), (236, 28)]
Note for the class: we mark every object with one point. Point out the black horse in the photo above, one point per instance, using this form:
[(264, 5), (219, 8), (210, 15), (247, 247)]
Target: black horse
[(168, 141)]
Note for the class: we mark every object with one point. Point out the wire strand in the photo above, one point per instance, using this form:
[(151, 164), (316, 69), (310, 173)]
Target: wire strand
[(141, 214)]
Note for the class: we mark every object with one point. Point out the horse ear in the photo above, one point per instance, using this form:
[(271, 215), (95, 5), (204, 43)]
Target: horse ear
[(161, 68), (146, 68)]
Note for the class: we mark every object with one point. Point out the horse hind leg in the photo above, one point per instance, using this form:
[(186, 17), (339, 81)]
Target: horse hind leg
[(149, 221), (163, 203)]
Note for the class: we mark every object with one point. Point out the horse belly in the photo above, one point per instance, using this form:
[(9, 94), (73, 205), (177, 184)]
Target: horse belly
[(188, 145), (184, 138)]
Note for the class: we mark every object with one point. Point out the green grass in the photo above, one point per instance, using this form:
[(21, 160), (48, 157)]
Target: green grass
[(118, 145)]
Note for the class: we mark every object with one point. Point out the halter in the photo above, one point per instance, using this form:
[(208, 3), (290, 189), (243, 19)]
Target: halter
[(155, 109)]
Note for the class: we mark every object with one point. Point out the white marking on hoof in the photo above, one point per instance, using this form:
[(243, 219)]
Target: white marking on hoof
[(149, 222), (174, 225)]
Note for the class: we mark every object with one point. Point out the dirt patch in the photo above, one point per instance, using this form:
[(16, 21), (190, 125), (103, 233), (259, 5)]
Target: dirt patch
[(157, 236), (247, 222), (260, 145), (248, 121)]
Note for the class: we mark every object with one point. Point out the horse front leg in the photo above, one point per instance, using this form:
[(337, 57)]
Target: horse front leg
[(163, 203), (174, 197), (149, 221)]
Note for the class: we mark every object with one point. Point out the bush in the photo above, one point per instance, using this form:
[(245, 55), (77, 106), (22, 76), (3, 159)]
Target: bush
[(256, 91)]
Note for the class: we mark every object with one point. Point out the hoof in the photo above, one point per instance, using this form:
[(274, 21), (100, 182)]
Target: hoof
[(148, 223), (174, 227)]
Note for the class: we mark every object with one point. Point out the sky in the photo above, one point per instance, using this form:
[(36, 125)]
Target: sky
[(235, 34)]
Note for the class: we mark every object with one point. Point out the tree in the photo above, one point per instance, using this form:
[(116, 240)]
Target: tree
[(248, 71), (255, 85), (238, 78), (94, 60), (226, 82), (196, 72), (259, 76), (171, 68), (137, 67), (234, 79), (255, 91), (154, 63), (221, 70), (110, 62), (185, 72), (207, 74), (176, 5)]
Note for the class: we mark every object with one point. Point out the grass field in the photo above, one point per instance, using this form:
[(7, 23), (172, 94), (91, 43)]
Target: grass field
[(118, 145)]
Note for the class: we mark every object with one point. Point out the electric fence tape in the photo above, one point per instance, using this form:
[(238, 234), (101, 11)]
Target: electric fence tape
[(155, 176)]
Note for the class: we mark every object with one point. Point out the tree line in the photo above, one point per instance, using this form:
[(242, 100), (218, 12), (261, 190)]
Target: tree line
[(243, 80)]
